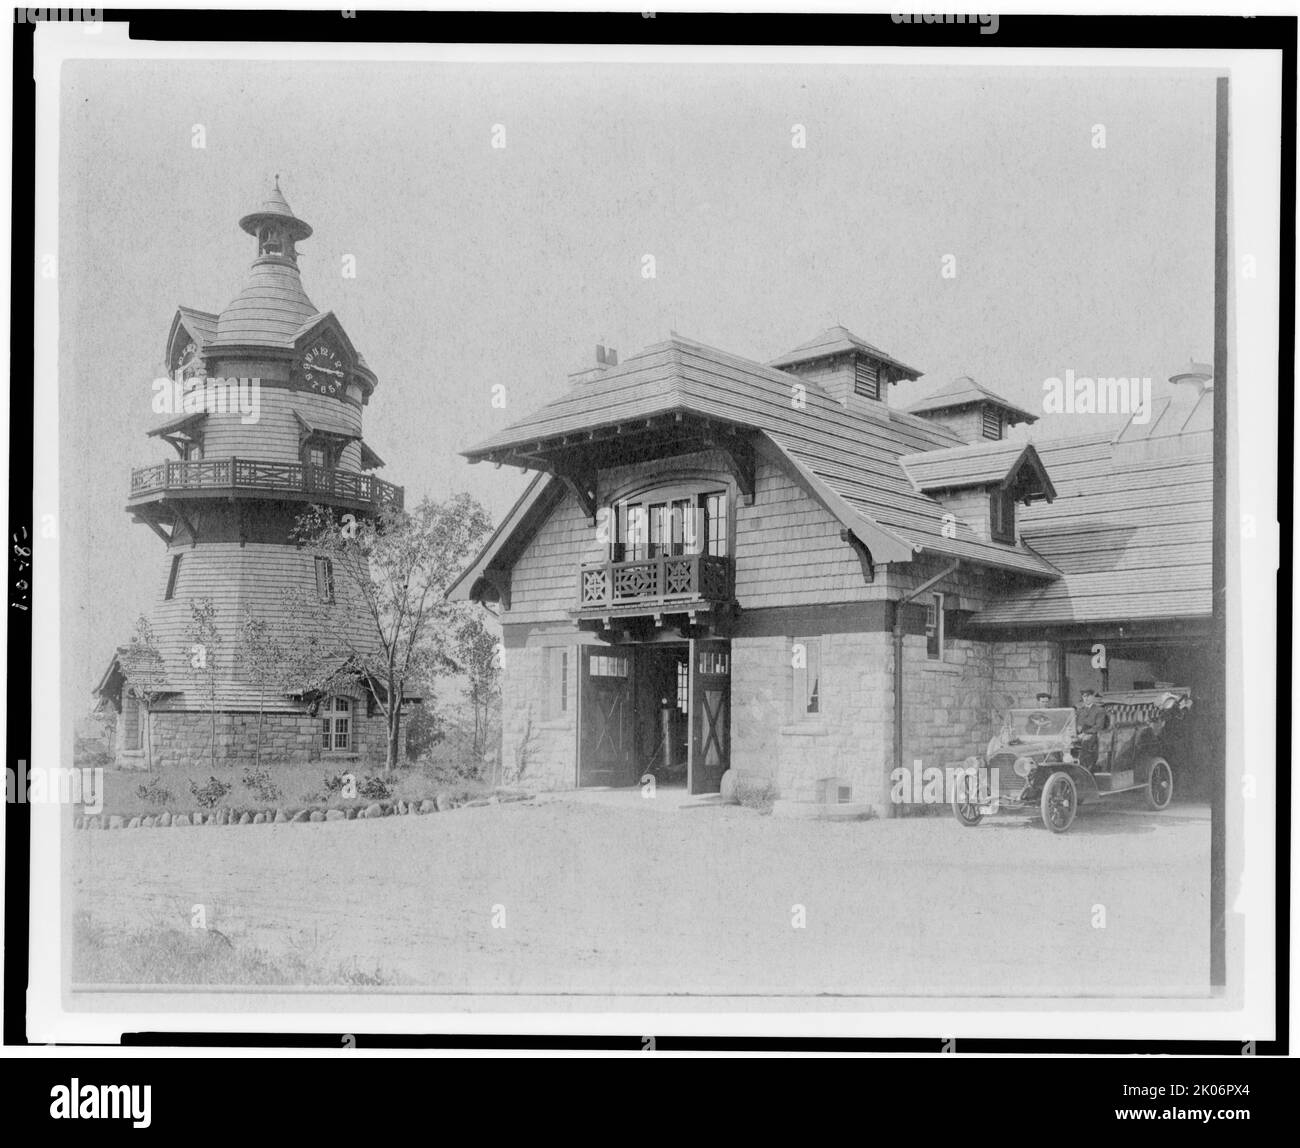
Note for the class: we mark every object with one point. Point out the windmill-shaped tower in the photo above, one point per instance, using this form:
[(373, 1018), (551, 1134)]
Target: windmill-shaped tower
[(262, 416)]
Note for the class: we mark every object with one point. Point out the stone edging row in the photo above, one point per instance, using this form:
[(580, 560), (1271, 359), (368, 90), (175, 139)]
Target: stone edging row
[(289, 815)]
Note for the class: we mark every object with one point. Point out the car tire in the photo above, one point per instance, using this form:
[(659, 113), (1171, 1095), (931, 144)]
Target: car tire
[(1160, 785), (964, 809), (1059, 802)]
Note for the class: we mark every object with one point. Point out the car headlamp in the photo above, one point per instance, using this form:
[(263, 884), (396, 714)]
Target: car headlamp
[(1023, 766)]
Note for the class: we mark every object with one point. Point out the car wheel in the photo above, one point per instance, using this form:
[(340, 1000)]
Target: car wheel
[(965, 804), (1160, 785), (1059, 803)]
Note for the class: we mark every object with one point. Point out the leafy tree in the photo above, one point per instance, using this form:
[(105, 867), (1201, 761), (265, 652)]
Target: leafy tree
[(204, 655), (145, 676), (390, 624), (263, 656), (478, 657)]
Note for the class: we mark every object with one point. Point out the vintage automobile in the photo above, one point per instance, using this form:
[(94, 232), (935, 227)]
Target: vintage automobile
[(1039, 760)]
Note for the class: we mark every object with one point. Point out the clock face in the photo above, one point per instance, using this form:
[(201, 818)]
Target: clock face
[(322, 369), (187, 361)]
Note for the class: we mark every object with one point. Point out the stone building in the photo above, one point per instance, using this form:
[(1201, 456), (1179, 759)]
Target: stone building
[(264, 417), (722, 564)]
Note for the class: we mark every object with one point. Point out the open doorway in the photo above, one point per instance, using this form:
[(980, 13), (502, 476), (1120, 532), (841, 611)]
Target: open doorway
[(663, 710)]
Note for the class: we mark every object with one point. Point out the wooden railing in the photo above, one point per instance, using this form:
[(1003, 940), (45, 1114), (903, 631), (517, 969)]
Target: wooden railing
[(254, 475), (663, 579)]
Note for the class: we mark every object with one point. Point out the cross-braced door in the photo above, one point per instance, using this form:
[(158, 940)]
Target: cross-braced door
[(605, 748), (710, 709)]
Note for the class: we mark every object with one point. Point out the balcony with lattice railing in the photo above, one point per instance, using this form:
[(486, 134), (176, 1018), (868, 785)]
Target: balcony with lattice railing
[(295, 481), (660, 582)]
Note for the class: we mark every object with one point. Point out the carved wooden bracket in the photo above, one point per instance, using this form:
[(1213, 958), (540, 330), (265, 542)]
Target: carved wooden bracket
[(499, 580), (864, 555)]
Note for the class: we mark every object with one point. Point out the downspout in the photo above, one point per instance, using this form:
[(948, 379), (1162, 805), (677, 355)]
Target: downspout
[(898, 659)]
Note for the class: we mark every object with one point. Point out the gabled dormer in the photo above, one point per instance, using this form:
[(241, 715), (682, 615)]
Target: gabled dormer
[(971, 411), (981, 485), (849, 369)]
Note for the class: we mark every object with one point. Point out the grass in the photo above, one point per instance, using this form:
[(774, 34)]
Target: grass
[(159, 955), (299, 786)]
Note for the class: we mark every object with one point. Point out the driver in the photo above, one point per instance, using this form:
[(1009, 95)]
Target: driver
[(1092, 720)]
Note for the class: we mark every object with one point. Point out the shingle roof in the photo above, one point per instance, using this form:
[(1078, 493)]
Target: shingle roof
[(201, 324), (963, 391), (270, 310), (1130, 533), (852, 454), (837, 341), (980, 464)]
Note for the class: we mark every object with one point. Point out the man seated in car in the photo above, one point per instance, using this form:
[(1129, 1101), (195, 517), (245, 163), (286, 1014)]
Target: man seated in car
[(1091, 722)]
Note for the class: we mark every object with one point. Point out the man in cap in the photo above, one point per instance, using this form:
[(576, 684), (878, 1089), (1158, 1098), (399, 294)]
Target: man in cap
[(1091, 722)]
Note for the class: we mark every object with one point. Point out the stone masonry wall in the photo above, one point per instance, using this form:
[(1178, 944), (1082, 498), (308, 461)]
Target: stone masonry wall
[(852, 736), (183, 739), (537, 751)]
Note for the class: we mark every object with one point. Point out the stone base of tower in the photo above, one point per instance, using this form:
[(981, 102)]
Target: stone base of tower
[(183, 740)]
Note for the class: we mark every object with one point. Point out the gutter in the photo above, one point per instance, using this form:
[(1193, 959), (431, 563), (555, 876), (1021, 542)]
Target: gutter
[(898, 658)]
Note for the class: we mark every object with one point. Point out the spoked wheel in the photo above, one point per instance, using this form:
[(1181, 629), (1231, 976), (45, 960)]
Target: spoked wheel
[(1160, 785), (965, 801), (1059, 803)]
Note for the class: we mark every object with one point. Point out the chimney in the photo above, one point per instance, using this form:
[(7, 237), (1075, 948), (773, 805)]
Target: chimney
[(605, 358)]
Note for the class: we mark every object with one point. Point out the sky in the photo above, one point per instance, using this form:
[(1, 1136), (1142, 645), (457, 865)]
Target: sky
[(478, 266)]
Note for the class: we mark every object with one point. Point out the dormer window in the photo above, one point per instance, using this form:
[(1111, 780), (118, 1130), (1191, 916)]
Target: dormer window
[(1002, 515), (992, 423), (669, 522), (866, 379)]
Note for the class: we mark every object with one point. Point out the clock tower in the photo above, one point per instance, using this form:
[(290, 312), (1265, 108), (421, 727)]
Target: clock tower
[(261, 414)]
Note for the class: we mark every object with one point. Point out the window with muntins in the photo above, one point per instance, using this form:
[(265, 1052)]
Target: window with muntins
[(337, 724), (671, 522)]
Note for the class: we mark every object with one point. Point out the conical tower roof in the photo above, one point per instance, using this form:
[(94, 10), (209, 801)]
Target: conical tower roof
[(272, 307)]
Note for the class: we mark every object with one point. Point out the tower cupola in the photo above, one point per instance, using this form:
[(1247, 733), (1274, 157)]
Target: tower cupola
[(275, 227)]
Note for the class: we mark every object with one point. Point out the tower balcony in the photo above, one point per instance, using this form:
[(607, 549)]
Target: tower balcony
[(668, 584), (289, 481)]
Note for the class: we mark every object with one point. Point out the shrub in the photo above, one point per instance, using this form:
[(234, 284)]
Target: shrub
[(755, 793), (212, 794), (374, 788), (155, 793), (259, 781)]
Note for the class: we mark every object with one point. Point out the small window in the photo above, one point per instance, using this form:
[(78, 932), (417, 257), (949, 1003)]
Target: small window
[(715, 524), (557, 681), (316, 456), (607, 666), (336, 722), (934, 636), (683, 686), (866, 379), (807, 661), (992, 423), (172, 575), (715, 662), (325, 579), (1002, 515), (132, 726)]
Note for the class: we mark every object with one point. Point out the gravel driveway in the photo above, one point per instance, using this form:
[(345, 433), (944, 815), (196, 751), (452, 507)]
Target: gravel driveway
[(616, 897)]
